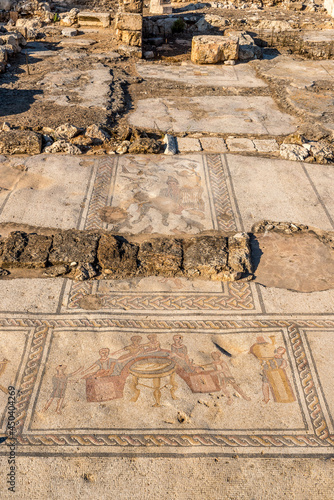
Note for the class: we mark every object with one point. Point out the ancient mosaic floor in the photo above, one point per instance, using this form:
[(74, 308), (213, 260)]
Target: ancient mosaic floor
[(208, 75), (165, 367), (212, 114)]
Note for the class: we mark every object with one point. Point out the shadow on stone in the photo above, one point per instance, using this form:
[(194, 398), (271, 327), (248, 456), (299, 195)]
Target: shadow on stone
[(256, 252)]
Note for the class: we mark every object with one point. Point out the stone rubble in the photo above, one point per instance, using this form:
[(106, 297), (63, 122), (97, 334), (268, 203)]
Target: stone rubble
[(293, 152), (171, 145), (62, 146), (210, 49), (20, 142), (96, 132), (66, 131)]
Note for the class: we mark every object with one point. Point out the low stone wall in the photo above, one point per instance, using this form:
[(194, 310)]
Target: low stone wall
[(82, 255)]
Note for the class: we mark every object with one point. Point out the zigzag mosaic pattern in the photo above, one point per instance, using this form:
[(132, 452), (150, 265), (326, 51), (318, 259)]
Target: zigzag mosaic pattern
[(100, 193), (222, 203), (239, 297)]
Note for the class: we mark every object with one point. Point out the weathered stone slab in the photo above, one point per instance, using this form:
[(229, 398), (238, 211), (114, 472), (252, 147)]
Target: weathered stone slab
[(74, 247), (300, 262), (161, 256), (25, 250), (185, 144), (213, 144), (117, 256), (160, 7), (101, 19), (229, 115), (50, 193), (301, 74), (266, 145), (211, 49), (77, 42), (238, 144), (88, 89), (240, 75), (323, 181), (130, 22), (320, 36), (20, 142), (29, 295), (206, 256), (132, 38)]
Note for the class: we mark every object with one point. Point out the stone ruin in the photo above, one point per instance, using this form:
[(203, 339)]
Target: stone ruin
[(129, 26), (160, 7)]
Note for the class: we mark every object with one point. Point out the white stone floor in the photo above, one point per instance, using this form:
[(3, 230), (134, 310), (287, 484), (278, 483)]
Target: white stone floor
[(240, 75), (221, 115)]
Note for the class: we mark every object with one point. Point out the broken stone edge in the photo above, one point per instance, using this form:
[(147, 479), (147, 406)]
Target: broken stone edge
[(290, 228), (85, 255)]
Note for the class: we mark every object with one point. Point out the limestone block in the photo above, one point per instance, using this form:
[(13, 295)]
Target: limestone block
[(66, 131), (101, 19), (68, 21), (28, 27), (74, 246), (129, 51), (266, 145), (171, 145), (12, 40), (205, 256), (160, 7), (132, 6), (117, 256), (133, 38), (188, 144), (239, 257), (207, 49), (238, 144), (160, 256), (293, 152), (213, 144), (25, 250), (20, 142), (96, 132), (321, 151), (69, 32), (130, 22), (62, 146)]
